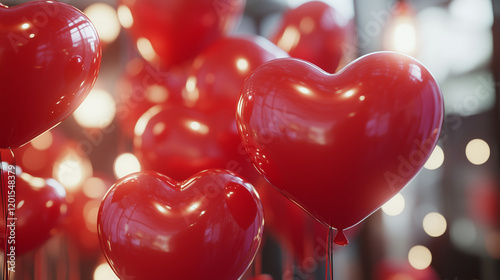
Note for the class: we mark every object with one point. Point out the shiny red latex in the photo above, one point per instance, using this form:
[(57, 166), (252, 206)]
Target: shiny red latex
[(50, 56), (219, 71), (143, 86), (207, 227), (177, 30), (179, 141), (340, 145), (40, 209), (315, 32)]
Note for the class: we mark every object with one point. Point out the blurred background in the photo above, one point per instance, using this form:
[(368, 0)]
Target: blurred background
[(444, 225)]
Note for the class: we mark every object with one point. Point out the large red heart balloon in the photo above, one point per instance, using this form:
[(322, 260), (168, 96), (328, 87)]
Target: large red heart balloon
[(50, 56), (172, 32), (207, 227), (340, 145), (315, 32), (40, 210)]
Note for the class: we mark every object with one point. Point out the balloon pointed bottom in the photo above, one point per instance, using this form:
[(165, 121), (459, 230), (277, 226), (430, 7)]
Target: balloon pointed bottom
[(340, 238)]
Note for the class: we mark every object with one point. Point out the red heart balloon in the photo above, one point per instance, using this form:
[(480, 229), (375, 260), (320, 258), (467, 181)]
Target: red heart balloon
[(179, 141), (50, 56), (315, 32), (219, 71), (175, 31), (340, 145), (207, 227), (40, 209)]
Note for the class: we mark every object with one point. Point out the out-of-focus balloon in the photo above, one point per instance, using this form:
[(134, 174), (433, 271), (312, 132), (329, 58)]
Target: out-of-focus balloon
[(219, 71), (50, 56), (141, 87), (38, 207), (180, 141), (83, 207), (173, 32), (340, 145), (38, 156), (207, 227), (315, 32)]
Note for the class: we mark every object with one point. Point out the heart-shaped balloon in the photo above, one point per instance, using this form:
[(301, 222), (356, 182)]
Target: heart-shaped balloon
[(40, 209), (218, 72), (179, 141), (316, 32), (207, 227), (340, 145), (172, 32), (50, 56)]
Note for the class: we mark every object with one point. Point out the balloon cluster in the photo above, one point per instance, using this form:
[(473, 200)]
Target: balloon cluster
[(210, 116)]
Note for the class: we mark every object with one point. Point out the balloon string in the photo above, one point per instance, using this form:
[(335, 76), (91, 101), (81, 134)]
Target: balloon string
[(329, 252)]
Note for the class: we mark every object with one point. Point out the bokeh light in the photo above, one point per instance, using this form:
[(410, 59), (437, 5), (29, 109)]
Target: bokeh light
[(420, 257), (477, 151), (146, 49), (105, 20), (395, 205), (126, 164), (104, 272), (436, 159), (43, 141), (97, 110), (71, 170), (125, 16), (434, 224)]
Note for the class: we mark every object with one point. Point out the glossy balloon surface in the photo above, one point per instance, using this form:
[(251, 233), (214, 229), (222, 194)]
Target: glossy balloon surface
[(143, 86), (175, 31), (219, 71), (50, 56), (40, 210), (340, 145), (207, 227), (180, 141), (317, 33)]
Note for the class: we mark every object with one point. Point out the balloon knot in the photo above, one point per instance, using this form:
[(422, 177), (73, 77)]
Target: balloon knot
[(340, 238)]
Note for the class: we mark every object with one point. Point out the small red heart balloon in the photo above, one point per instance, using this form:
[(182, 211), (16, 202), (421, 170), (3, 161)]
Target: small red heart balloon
[(173, 32), (207, 227), (340, 145), (315, 32), (40, 210), (50, 56)]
